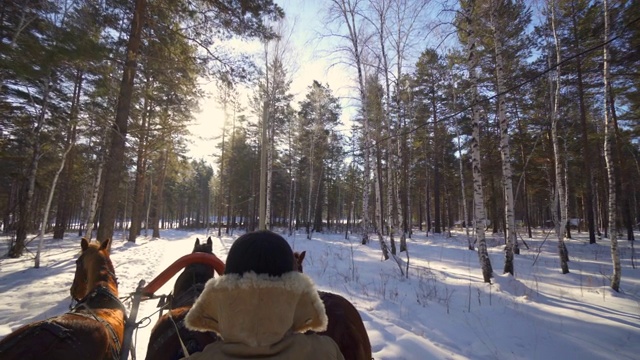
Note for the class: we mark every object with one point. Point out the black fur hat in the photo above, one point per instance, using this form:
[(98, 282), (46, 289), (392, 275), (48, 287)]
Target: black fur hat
[(263, 252)]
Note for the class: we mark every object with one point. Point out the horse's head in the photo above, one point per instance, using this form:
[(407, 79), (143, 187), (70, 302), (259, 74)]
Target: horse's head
[(92, 268), (298, 258), (204, 247)]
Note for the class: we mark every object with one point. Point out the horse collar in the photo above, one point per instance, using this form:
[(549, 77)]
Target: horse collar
[(94, 300)]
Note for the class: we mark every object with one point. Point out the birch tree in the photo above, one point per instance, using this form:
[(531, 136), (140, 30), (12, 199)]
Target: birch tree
[(345, 13), (609, 140), (405, 24), (469, 22), (559, 193), (505, 149), (47, 208)]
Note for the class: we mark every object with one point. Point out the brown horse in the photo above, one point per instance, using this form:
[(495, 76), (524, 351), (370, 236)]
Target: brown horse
[(93, 329), (164, 343), (345, 324)]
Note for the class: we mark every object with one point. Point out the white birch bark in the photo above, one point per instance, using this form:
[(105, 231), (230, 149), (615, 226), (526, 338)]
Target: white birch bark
[(505, 150), (269, 177), (310, 196), (47, 208), (292, 183), (479, 211), (376, 184), (465, 213), (262, 216), (560, 189), (382, 8), (95, 193), (609, 139)]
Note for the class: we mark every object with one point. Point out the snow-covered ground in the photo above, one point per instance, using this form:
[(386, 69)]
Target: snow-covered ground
[(442, 310)]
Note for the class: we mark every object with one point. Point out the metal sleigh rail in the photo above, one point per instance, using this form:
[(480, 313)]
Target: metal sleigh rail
[(146, 292)]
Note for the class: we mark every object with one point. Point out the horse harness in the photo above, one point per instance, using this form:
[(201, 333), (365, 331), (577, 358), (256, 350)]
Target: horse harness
[(187, 298), (101, 298)]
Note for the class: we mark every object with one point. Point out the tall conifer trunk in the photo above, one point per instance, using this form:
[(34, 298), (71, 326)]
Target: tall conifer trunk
[(141, 170), (64, 195), (586, 152), (115, 161)]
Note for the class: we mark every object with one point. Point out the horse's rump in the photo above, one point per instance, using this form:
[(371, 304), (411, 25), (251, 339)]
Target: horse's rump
[(68, 336), (345, 323), (346, 327)]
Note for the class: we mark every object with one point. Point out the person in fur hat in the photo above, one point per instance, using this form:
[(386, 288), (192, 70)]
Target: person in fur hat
[(262, 306)]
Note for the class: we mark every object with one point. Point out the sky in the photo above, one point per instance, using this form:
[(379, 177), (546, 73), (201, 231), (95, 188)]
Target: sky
[(442, 310), (310, 61)]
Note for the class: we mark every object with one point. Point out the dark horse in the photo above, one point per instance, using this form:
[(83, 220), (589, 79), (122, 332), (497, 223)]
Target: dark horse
[(93, 329), (345, 324), (164, 343)]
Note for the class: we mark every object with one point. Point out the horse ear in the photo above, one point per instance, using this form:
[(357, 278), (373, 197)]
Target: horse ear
[(209, 241), (84, 244), (301, 256), (105, 244), (197, 242)]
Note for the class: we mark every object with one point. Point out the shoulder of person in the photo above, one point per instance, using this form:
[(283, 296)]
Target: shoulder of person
[(321, 346)]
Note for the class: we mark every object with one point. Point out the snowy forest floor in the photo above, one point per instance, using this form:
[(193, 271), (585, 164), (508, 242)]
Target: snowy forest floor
[(442, 310)]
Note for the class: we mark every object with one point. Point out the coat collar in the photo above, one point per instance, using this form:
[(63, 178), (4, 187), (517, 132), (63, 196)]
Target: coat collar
[(258, 310)]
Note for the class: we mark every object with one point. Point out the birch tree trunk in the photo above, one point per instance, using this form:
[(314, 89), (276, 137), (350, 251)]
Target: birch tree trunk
[(347, 10), (271, 149), (222, 174), (377, 188), (560, 189), (45, 219), (262, 216), (609, 140), (292, 183), (479, 211), (94, 197), (505, 150), (24, 221), (230, 209), (381, 9), (310, 192), (159, 196), (464, 193)]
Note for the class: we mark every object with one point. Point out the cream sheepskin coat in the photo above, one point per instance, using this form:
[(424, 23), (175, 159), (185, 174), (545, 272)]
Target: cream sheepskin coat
[(262, 316)]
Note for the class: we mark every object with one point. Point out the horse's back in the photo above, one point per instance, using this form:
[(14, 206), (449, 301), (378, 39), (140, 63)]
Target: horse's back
[(346, 327), (165, 345), (61, 338)]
